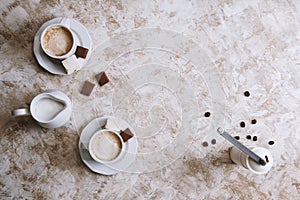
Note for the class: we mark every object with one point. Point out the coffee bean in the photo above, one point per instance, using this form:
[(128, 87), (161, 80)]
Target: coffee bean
[(253, 121), (247, 93), (213, 141), (271, 142), (237, 137), (242, 124), (205, 144), (255, 138), (207, 114), (248, 137), (267, 159)]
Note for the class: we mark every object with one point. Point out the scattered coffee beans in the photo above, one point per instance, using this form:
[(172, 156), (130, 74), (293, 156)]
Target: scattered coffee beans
[(207, 114), (271, 142), (213, 141), (237, 137), (254, 138), (246, 93), (205, 144), (253, 121), (242, 124)]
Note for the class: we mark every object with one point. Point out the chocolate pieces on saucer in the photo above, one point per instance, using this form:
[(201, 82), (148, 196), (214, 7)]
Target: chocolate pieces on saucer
[(81, 52), (126, 134)]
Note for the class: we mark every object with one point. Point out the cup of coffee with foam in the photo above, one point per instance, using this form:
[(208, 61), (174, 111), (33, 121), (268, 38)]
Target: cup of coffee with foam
[(58, 41), (106, 146)]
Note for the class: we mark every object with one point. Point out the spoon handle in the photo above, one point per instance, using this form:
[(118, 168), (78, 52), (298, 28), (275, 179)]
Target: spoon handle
[(241, 147)]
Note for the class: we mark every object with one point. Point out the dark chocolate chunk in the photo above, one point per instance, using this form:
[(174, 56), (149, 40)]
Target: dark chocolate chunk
[(102, 78), (126, 134), (87, 88), (81, 52)]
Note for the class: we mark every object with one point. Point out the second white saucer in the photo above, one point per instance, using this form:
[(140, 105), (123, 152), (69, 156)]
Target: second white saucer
[(126, 160)]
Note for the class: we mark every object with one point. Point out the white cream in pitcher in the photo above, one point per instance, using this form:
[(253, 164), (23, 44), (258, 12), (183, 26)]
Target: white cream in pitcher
[(47, 108)]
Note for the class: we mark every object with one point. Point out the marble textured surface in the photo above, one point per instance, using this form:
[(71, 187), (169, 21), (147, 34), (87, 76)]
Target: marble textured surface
[(169, 62)]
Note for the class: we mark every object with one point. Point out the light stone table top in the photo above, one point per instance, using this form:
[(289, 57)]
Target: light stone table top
[(170, 64)]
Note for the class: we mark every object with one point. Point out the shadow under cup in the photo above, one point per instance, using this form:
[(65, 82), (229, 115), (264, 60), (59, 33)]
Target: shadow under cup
[(106, 146), (57, 41)]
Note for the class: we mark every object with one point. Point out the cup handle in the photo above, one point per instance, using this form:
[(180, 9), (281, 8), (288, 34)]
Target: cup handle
[(20, 112), (65, 22)]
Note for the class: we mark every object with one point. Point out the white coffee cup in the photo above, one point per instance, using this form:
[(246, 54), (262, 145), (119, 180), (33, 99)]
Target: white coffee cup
[(106, 146), (58, 41), (51, 109), (240, 158)]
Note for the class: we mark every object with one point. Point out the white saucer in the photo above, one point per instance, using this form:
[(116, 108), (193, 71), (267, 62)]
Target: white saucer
[(130, 148), (54, 66)]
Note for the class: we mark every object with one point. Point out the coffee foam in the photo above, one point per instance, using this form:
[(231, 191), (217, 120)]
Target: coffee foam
[(106, 146), (57, 41)]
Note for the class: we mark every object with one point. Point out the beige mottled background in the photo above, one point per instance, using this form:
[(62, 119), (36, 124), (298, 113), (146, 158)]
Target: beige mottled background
[(253, 45)]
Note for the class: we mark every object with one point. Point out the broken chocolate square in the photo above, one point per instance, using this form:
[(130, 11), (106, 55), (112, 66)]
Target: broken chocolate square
[(102, 78), (126, 134), (81, 52), (87, 88)]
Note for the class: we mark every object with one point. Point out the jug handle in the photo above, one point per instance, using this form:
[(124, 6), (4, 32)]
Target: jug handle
[(20, 112)]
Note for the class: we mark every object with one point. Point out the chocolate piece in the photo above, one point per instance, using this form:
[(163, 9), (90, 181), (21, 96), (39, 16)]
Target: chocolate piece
[(102, 78), (81, 52), (87, 88), (71, 64), (267, 159), (126, 134)]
